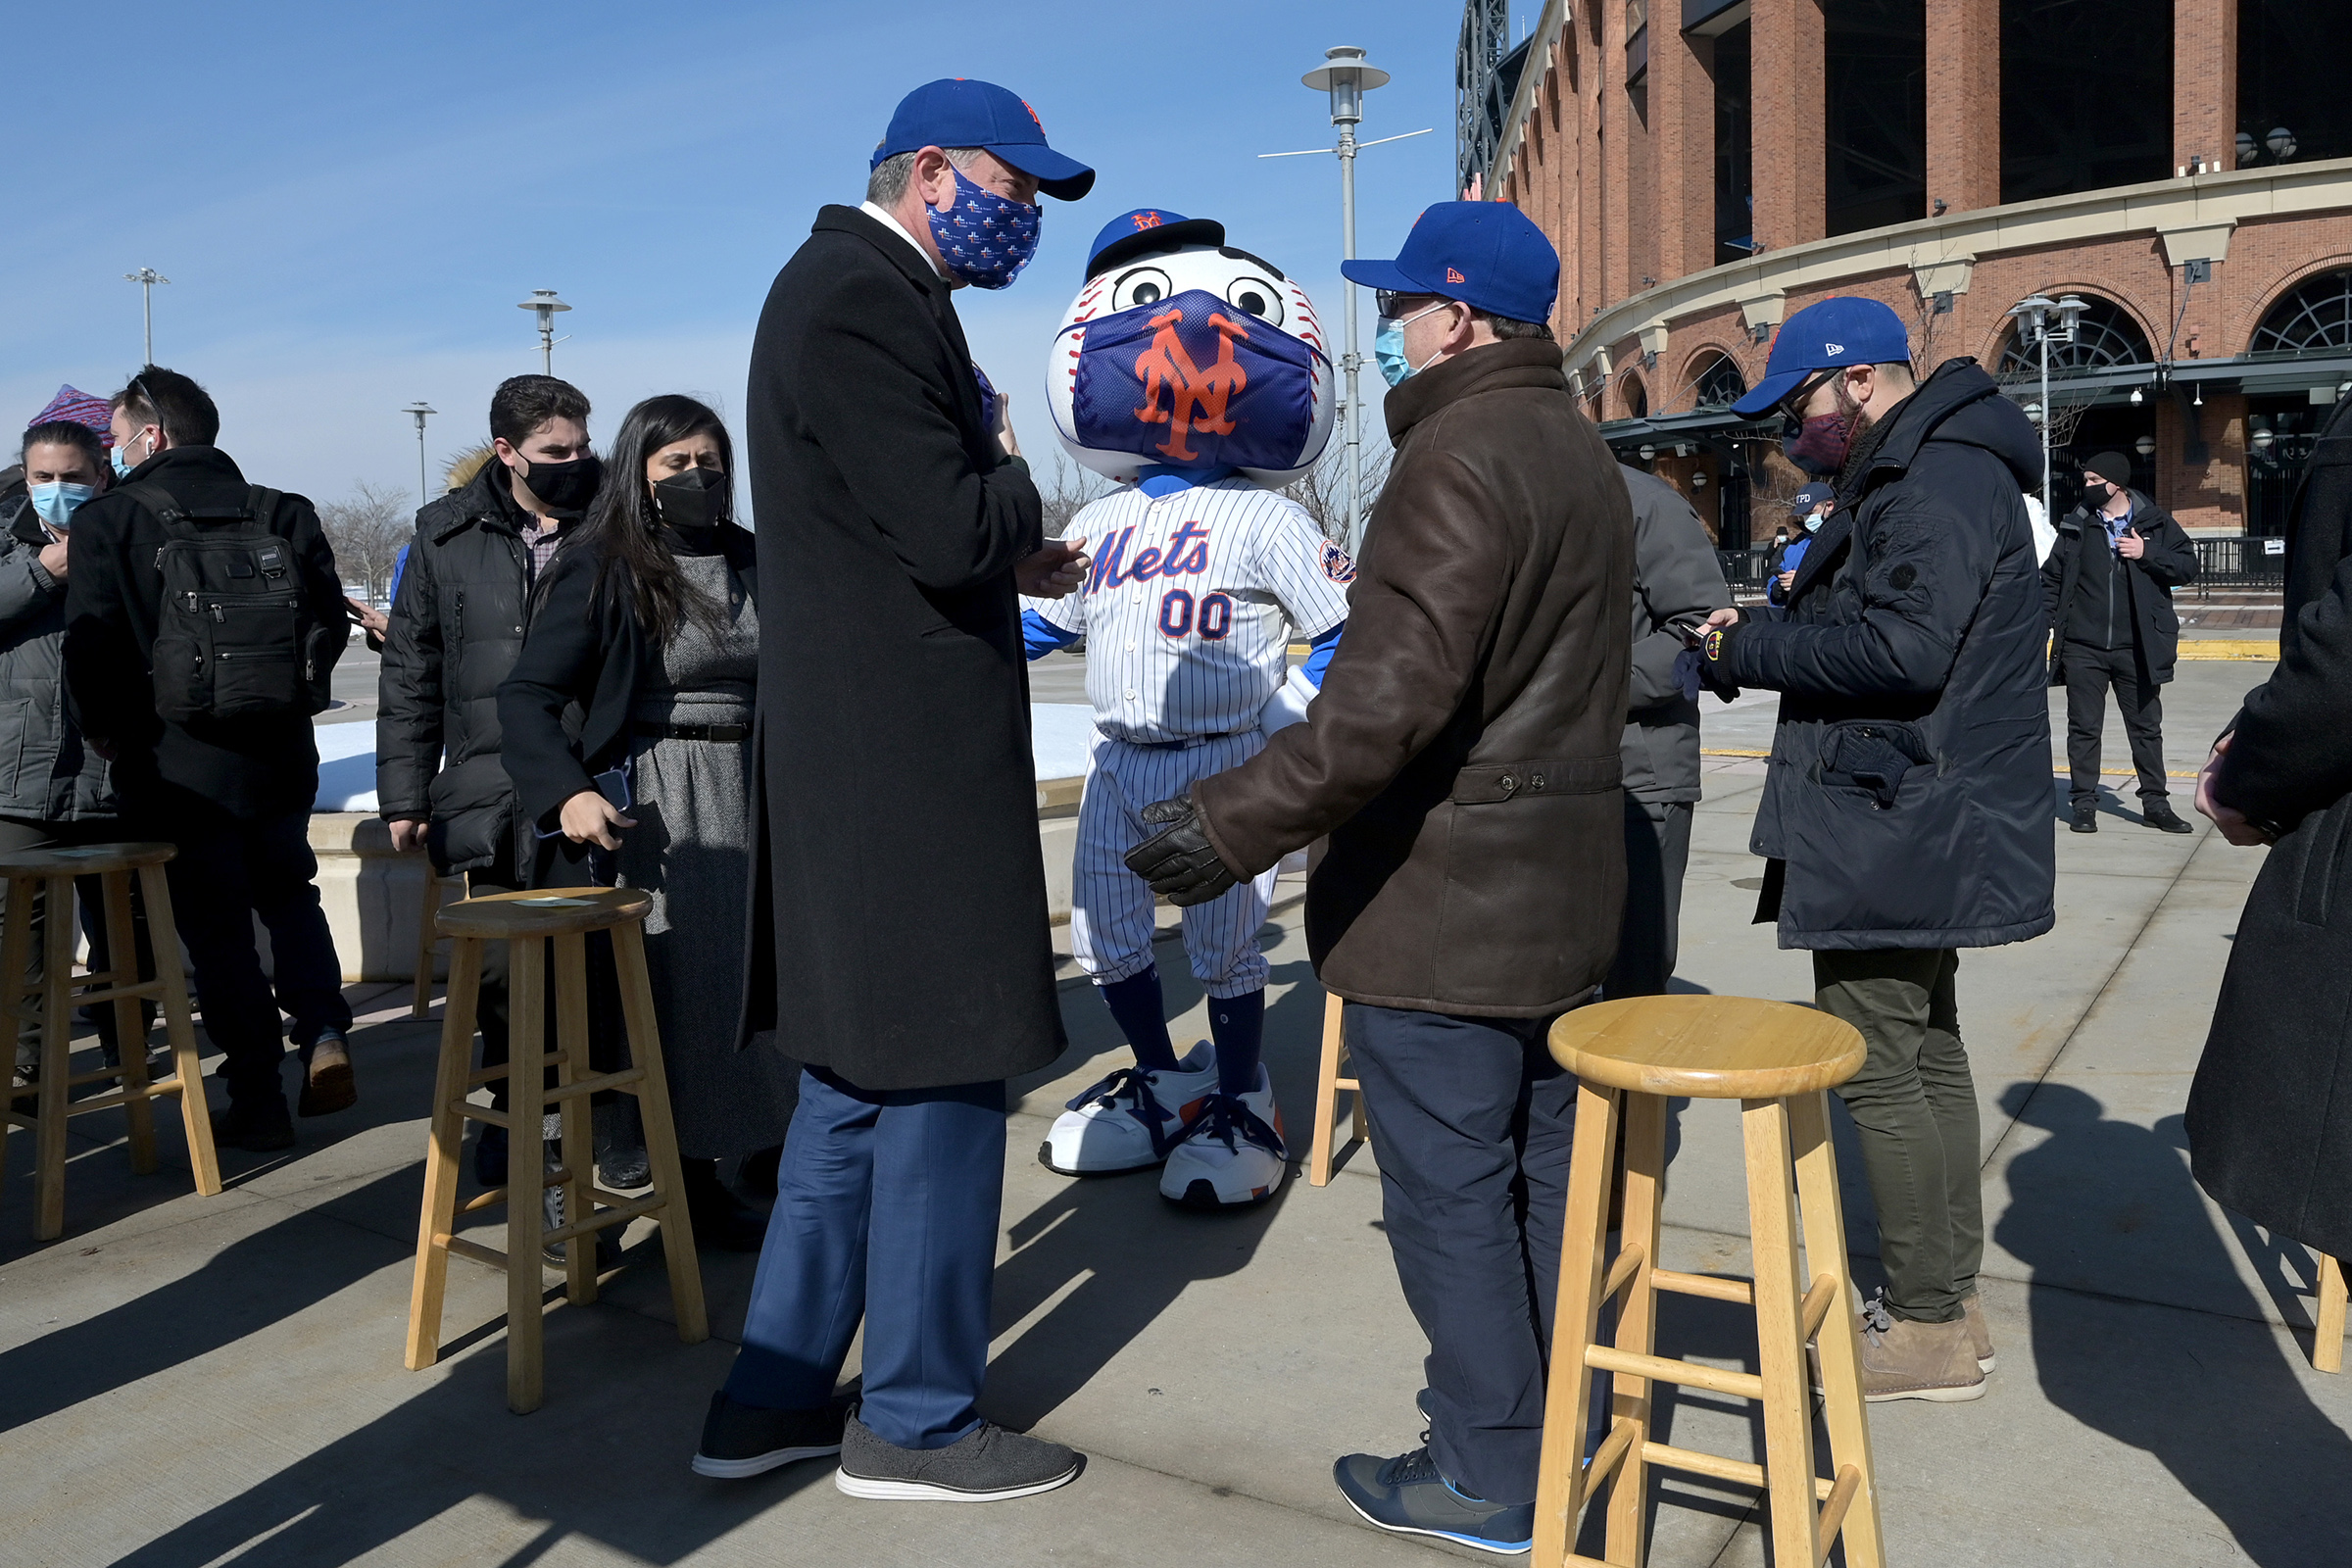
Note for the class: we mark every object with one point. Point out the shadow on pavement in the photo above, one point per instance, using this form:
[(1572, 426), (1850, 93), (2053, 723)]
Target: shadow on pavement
[(2212, 1397)]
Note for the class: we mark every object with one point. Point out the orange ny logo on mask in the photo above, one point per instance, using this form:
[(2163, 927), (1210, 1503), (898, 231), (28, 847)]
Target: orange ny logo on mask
[(1195, 397)]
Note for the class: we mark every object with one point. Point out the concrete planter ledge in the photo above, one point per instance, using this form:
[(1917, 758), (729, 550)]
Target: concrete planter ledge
[(372, 896)]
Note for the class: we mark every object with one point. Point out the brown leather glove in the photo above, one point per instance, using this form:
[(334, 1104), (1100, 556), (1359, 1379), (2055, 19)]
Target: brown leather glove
[(1179, 862)]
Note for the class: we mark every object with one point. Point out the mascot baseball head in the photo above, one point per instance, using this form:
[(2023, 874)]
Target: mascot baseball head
[(1184, 353)]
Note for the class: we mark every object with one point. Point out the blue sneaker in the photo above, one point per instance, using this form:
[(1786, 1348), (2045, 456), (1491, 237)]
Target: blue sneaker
[(1410, 1496)]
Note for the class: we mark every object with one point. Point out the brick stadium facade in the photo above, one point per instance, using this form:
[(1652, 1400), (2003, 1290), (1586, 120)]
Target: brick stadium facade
[(1709, 166)]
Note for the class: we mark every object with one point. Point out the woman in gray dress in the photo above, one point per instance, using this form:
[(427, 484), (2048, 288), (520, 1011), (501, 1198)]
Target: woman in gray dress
[(645, 634)]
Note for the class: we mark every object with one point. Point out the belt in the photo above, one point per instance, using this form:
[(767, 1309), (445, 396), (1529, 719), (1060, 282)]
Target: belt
[(695, 732), (1190, 741)]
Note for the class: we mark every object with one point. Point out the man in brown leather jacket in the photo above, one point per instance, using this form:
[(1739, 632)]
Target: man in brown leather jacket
[(1463, 758)]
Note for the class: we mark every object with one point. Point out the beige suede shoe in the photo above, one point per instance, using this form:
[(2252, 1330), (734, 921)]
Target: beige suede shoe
[(1906, 1359), (1980, 1334)]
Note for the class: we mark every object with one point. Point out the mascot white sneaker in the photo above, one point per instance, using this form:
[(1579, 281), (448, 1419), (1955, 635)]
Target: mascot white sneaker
[(1194, 376)]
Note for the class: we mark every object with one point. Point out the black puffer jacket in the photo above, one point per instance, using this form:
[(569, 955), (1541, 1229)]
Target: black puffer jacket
[(457, 625), (2168, 561), (1909, 793), (46, 773)]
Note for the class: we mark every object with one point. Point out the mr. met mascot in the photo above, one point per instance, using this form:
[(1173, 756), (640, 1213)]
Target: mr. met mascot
[(1194, 376)]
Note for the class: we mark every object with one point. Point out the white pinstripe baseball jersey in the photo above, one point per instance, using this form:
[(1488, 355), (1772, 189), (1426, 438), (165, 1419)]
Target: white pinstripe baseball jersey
[(1184, 611)]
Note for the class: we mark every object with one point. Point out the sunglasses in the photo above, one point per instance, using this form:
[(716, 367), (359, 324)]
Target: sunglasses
[(1394, 305), (1793, 407)]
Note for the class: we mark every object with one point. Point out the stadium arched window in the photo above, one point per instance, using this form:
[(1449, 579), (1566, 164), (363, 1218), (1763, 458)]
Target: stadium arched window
[(2105, 334), (2315, 318), (1637, 399), (1719, 384)]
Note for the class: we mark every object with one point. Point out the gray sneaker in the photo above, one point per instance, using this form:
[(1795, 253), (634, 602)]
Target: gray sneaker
[(989, 1465)]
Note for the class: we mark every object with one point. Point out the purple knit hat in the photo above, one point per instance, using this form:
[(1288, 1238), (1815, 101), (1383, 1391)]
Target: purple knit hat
[(72, 403)]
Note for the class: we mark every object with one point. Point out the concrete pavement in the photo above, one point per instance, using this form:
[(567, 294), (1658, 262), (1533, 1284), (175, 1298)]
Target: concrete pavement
[(191, 1381)]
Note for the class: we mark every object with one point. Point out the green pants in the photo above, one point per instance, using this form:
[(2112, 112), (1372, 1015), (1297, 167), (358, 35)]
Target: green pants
[(1914, 1106)]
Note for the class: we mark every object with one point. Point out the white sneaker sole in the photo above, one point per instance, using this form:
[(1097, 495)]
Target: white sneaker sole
[(878, 1489), (761, 1464), (1956, 1394), (1045, 1157), (1498, 1548)]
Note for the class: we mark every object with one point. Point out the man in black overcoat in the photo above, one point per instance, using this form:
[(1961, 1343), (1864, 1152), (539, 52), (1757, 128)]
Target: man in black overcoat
[(898, 928), (2270, 1115)]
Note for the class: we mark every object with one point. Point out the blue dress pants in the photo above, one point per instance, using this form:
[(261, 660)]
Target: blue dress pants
[(1472, 1119), (886, 1211)]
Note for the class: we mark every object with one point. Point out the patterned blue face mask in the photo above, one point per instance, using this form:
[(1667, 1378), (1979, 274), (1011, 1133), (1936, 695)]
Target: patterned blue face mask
[(985, 238)]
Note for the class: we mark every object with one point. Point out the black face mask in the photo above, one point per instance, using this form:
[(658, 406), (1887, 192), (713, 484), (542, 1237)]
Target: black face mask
[(2095, 495), (694, 499), (566, 488)]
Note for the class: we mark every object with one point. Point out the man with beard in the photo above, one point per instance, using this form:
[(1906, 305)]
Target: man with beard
[(1907, 812)]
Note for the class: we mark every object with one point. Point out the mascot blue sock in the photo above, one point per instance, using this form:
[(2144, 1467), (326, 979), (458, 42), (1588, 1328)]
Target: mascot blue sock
[(1238, 1024), (1135, 1003)]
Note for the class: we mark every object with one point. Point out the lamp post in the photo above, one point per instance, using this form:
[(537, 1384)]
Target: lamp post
[(419, 409), (544, 301), (147, 277), (2051, 322), (1347, 78)]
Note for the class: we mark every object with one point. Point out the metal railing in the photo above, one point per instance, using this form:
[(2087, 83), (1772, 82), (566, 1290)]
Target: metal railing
[(2246, 561)]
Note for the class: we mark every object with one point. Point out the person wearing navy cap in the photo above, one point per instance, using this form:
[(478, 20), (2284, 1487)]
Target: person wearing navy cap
[(1810, 506), (1463, 757), (899, 939), (1906, 813)]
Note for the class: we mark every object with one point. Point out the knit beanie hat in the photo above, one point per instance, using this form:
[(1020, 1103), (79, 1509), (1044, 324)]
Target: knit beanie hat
[(75, 405), (2113, 466)]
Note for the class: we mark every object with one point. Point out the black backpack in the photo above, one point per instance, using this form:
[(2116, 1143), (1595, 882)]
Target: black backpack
[(236, 633)]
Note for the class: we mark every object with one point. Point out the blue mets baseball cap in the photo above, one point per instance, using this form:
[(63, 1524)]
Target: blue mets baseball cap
[(959, 112), (1827, 335), (1148, 229), (1489, 255)]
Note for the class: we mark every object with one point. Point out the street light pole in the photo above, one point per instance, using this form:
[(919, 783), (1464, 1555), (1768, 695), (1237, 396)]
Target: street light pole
[(1347, 78), (419, 409), (544, 301), (147, 277), (2033, 315)]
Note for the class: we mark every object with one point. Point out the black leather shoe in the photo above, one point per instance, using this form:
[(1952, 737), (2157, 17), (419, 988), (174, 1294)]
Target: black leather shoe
[(744, 1440), (2086, 819), (2158, 814), (260, 1126)]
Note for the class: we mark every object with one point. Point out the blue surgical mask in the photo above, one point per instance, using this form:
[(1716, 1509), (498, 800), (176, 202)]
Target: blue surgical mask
[(1813, 523), (56, 501), (122, 456), (1387, 347), (985, 239)]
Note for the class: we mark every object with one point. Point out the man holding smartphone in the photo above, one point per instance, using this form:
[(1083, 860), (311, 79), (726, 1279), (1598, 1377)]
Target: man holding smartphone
[(2107, 589)]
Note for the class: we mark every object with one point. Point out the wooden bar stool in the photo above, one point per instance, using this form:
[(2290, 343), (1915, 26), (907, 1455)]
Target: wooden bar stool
[(1328, 1087), (2328, 1341), (1777, 1060), (527, 922), (50, 874)]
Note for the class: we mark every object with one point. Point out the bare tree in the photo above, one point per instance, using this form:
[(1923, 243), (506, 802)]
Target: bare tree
[(1066, 489), (367, 531), (1323, 489)]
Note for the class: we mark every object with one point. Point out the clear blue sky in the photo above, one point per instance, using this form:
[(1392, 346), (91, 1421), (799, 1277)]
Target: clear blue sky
[(350, 199)]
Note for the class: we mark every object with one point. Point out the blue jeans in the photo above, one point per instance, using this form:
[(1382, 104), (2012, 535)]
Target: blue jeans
[(886, 1211)]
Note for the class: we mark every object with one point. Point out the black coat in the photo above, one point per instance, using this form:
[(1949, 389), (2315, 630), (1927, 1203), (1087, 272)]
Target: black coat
[(2269, 1113), (456, 624), (250, 768), (1909, 791), (899, 912), (2169, 562), (564, 706)]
